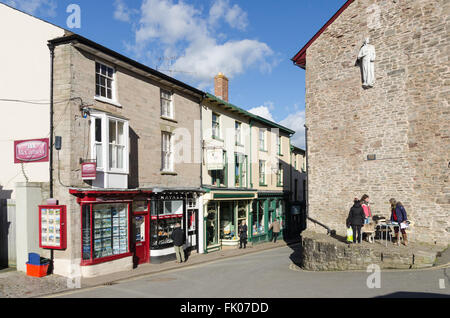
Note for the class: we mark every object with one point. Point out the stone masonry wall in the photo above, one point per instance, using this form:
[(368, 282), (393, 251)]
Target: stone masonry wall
[(404, 119), (321, 252)]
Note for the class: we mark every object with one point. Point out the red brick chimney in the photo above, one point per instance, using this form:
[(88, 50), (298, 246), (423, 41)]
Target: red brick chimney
[(221, 86)]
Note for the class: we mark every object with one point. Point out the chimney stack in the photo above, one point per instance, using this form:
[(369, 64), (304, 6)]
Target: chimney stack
[(221, 86)]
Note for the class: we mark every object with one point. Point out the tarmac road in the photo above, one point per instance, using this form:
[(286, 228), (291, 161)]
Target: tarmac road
[(272, 274)]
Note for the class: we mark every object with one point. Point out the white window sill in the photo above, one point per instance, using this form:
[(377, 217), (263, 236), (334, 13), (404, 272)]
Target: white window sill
[(107, 101), (169, 119), (171, 173)]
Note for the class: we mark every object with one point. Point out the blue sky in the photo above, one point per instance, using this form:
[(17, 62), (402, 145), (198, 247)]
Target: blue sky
[(250, 41)]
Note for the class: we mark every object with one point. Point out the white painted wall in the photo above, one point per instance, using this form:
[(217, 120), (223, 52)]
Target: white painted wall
[(24, 75)]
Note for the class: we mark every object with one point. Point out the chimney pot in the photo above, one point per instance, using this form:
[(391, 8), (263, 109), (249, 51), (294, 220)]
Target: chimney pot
[(221, 86)]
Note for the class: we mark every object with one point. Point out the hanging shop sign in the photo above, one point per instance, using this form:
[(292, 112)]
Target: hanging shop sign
[(33, 150), (89, 170), (52, 227), (214, 159)]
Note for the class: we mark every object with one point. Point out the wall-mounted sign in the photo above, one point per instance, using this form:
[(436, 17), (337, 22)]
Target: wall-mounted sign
[(52, 227), (371, 157), (34, 150), (89, 170), (214, 159)]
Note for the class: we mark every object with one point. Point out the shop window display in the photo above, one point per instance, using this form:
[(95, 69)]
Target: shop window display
[(105, 227), (227, 221), (164, 218), (211, 223), (242, 211), (258, 219)]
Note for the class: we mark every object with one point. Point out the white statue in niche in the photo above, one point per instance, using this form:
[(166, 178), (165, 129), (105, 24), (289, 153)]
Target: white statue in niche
[(366, 59)]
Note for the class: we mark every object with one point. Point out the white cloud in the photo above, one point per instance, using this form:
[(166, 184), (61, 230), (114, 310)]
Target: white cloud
[(122, 12), (45, 7), (296, 122), (234, 16), (262, 111), (169, 28)]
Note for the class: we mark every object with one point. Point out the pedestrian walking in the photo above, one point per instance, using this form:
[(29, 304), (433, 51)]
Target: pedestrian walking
[(242, 234), (178, 240), (355, 219), (398, 215), (275, 230), (366, 207)]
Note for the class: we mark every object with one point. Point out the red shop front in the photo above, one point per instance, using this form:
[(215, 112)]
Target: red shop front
[(114, 225)]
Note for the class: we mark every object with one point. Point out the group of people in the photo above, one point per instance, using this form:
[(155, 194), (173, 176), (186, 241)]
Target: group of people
[(361, 214)]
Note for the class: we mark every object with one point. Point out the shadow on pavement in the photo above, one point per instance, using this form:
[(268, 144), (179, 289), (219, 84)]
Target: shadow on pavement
[(413, 295), (296, 246)]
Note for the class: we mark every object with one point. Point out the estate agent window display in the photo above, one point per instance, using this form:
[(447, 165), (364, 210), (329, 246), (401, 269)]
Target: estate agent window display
[(105, 231)]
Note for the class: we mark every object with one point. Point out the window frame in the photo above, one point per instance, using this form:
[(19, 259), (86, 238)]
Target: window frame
[(238, 133), (215, 181), (262, 172), (171, 152), (92, 260), (280, 175), (113, 98), (105, 118), (217, 122), (262, 141), (171, 104)]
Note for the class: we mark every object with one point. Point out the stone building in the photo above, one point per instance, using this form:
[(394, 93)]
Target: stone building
[(391, 140)]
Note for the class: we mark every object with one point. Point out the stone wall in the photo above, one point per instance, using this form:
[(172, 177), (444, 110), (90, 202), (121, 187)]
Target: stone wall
[(404, 119), (321, 252)]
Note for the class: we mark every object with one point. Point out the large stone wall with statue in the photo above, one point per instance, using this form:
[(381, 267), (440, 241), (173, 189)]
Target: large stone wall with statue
[(401, 115)]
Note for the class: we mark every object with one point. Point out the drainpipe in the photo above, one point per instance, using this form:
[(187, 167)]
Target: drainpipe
[(251, 162), (52, 57), (307, 171)]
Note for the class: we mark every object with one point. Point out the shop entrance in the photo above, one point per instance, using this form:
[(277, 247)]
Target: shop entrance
[(140, 228)]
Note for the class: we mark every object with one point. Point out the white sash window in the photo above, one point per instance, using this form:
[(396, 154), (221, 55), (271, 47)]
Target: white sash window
[(166, 152)]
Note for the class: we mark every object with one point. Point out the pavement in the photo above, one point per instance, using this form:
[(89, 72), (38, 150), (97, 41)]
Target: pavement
[(271, 273), (15, 284)]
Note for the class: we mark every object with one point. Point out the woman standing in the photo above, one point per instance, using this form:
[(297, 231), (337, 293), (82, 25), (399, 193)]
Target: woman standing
[(355, 219), (366, 207), (242, 234), (398, 214)]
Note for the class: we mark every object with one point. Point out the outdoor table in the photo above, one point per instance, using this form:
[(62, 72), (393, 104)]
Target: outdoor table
[(387, 226)]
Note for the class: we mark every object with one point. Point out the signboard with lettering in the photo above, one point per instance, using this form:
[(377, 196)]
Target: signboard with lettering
[(88, 170), (214, 159), (52, 227), (33, 150)]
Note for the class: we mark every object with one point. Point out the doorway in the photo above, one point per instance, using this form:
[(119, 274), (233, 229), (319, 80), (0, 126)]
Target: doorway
[(140, 231)]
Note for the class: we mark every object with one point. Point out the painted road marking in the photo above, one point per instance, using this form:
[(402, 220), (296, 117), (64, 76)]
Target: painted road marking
[(442, 283)]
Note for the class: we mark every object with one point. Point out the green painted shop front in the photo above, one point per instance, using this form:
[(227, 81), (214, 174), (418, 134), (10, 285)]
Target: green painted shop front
[(265, 209)]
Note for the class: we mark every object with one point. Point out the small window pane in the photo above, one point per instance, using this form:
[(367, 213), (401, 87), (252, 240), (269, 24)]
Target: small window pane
[(98, 129), (102, 91), (112, 132), (99, 155), (120, 135), (120, 151), (103, 70), (110, 72)]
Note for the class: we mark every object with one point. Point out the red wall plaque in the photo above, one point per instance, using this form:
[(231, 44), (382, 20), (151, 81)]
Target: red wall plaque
[(34, 150)]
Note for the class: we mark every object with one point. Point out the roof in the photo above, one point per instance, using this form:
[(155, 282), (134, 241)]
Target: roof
[(297, 149), (227, 106), (300, 58), (76, 38)]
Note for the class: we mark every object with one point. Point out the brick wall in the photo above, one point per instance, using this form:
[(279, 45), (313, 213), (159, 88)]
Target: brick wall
[(404, 119)]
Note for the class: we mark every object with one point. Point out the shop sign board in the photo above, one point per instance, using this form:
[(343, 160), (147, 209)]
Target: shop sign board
[(32, 150), (214, 159), (52, 227), (89, 170)]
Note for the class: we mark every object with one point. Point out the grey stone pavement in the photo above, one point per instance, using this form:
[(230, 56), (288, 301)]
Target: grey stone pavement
[(270, 274), (230, 272)]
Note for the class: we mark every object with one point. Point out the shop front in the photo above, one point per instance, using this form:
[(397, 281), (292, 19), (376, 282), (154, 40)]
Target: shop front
[(223, 213), (265, 209), (125, 228), (168, 208)]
